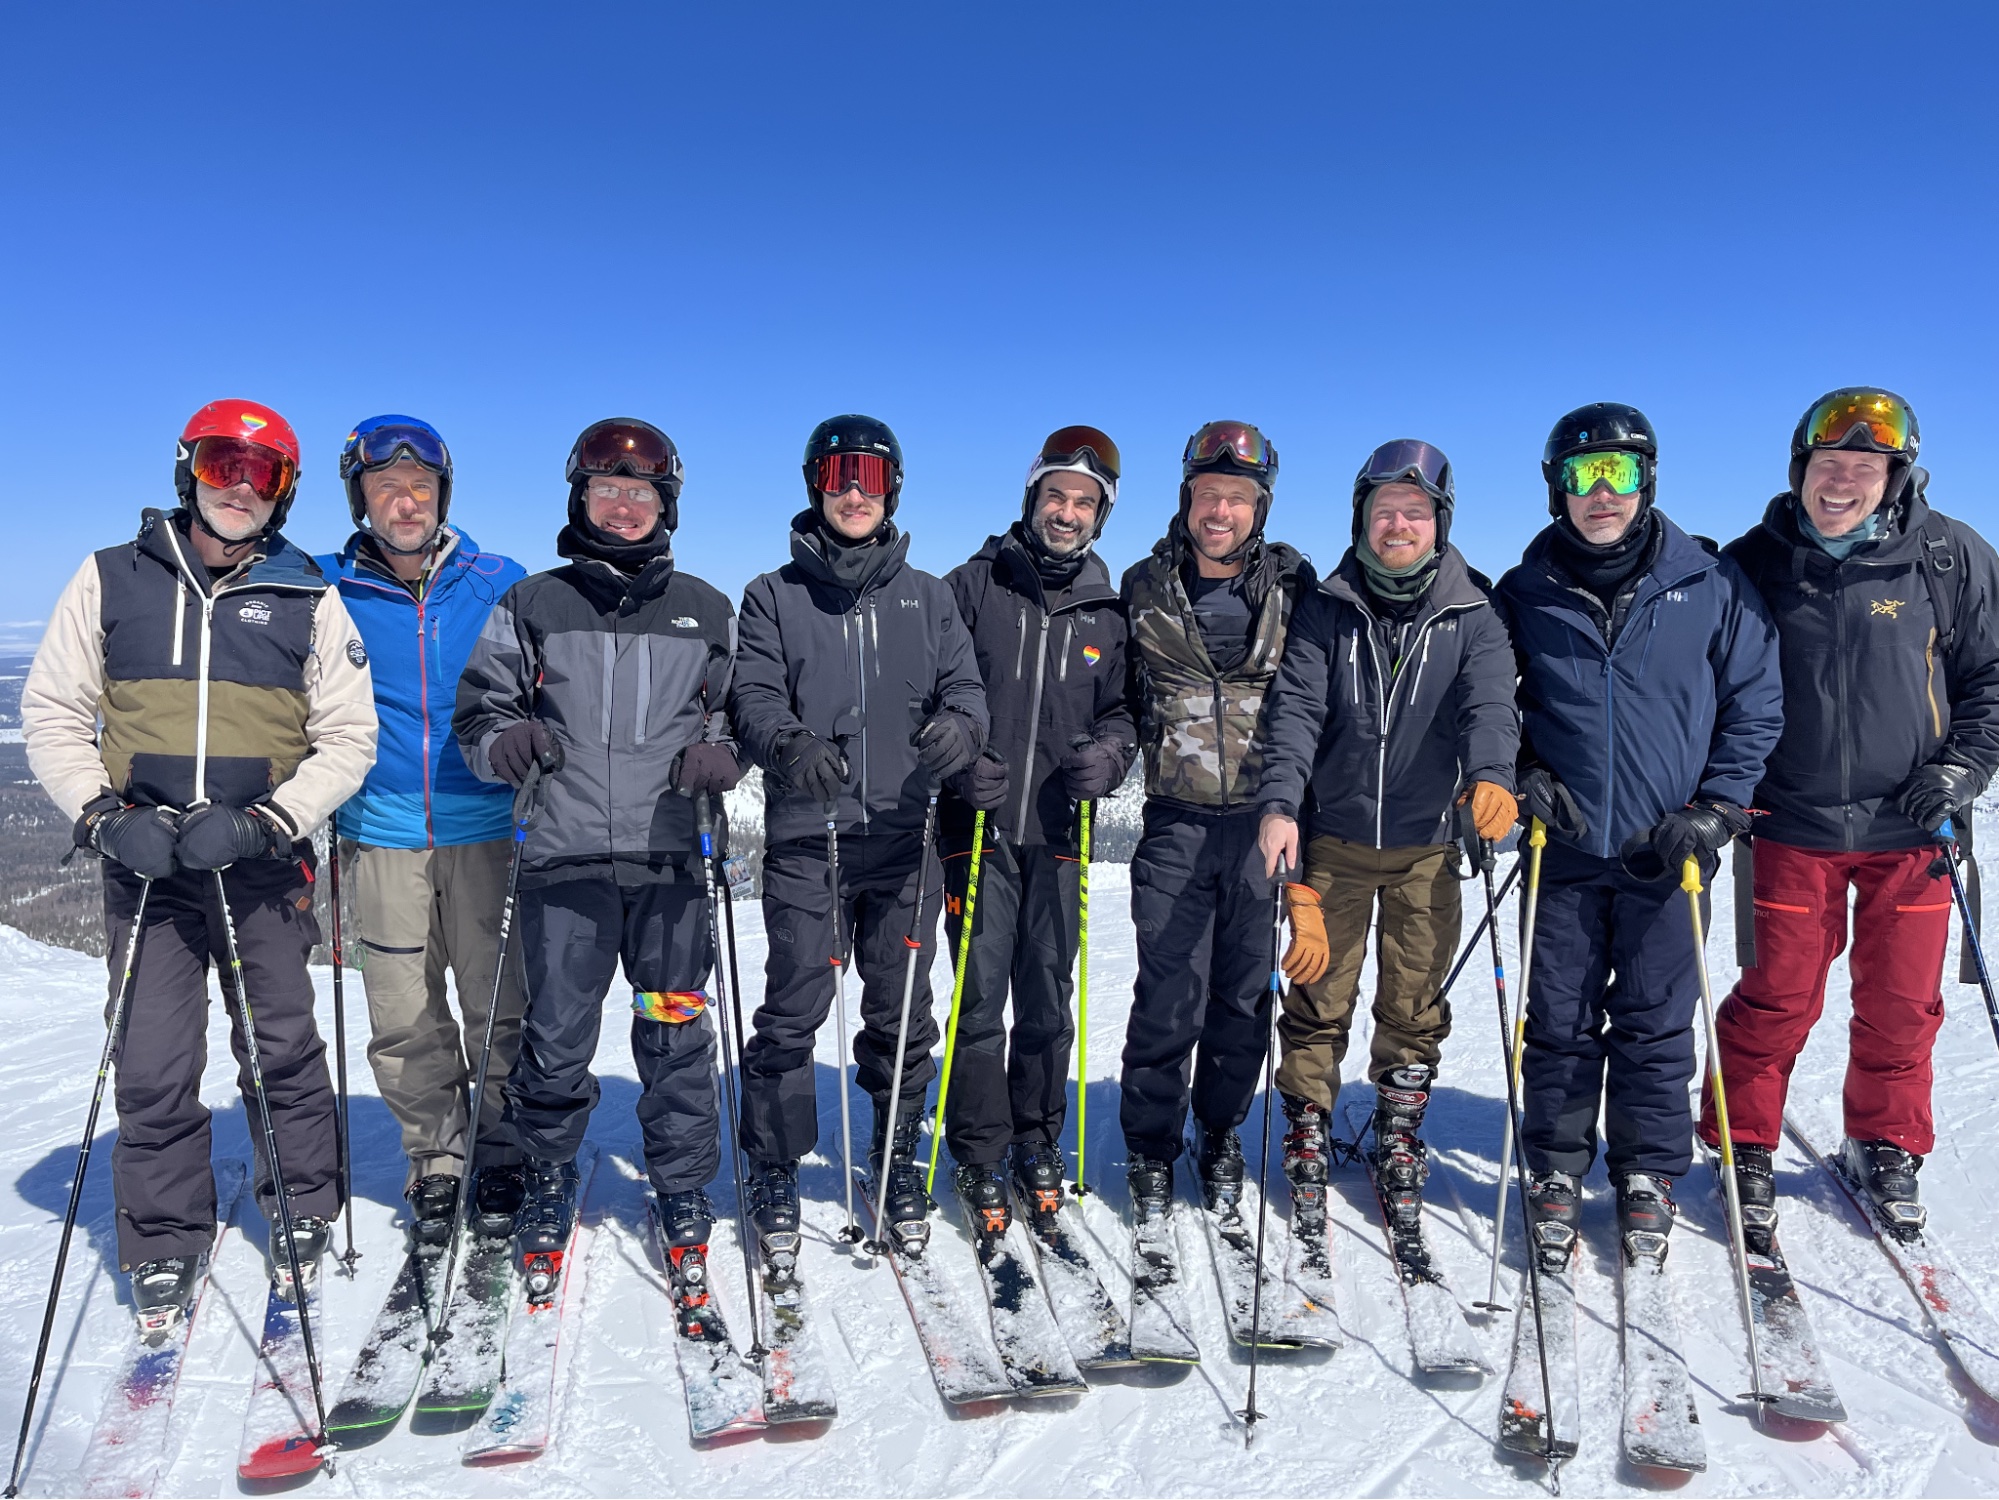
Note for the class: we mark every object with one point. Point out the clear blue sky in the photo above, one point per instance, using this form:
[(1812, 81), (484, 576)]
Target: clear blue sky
[(1345, 223)]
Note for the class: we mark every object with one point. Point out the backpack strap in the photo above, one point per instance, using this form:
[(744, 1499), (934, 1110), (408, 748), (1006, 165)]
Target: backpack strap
[(1943, 572)]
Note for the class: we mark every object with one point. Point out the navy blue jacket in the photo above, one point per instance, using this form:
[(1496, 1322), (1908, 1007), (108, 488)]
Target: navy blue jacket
[(1688, 703)]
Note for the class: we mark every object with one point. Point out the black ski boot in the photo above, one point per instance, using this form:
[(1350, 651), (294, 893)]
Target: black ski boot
[(1221, 1167), (687, 1219), (1756, 1190), (907, 1210), (546, 1222), (1888, 1175), (1554, 1202), (1305, 1154), (1645, 1214), (1037, 1177), (982, 1190), (1151, 1184), (497, 1194), (774, 1215), (1400, 1161), (312, 1238), (433, 1204), (685, 1222), (163, 1295)]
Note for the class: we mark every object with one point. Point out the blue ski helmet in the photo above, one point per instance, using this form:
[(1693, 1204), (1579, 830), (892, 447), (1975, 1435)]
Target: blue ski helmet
[(380, 441)]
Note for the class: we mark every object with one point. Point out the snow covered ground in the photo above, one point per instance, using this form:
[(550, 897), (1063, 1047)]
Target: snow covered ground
[(1348, 1423)]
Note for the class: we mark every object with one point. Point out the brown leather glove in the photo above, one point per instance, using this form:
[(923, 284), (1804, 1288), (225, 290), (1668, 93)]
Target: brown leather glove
[(1493, 808), (1306, 960)]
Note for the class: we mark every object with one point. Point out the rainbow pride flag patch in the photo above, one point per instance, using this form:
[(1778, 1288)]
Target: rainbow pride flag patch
[(670, 1006)]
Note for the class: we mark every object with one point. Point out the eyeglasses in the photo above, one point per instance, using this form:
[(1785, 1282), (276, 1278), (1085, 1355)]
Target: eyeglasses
[(836, 473), (1878, 419), (1623, 472), (222, 463), (610, 491), (1409, 461)]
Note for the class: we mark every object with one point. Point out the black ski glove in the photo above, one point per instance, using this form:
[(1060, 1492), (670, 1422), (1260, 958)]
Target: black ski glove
[(706, 768), (1937, 792), (1543, 797), (142, 839), (215, 837), (1092, 769), (1700, 829), (947, 742), (810, 765), (984, 784), (521, 745)]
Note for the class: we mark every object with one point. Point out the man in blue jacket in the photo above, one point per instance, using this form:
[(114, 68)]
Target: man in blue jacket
[(425, 842), (1650, 696)]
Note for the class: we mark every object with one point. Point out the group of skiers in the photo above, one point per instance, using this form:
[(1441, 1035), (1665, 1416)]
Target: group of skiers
[(208, 694)]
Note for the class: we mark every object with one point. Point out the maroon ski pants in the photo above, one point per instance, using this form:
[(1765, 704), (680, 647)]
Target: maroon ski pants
[(1901, 925)]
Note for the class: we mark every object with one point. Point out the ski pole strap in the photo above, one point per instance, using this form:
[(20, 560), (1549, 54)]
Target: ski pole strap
[(1745, 911)]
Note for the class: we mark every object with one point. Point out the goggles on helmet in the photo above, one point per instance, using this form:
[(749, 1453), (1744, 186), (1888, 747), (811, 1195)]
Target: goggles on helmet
[(1232, 440), (222, 463), (1860, 419), (1073, 445), (374, 446), (1409, 461), (1623, 472), (636, 448), (836, 473)]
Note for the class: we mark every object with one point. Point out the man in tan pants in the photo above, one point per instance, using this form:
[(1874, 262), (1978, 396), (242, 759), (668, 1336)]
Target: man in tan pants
[(425, 843)]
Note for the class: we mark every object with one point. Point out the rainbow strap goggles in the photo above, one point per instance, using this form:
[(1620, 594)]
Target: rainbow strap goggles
[(670, 1006), (1623, 472)]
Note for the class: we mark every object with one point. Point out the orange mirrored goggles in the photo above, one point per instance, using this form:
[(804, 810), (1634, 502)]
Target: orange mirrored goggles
[(1861, 418)]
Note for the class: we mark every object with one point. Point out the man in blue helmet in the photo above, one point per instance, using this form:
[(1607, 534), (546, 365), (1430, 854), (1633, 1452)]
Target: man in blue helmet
[(424, 841)]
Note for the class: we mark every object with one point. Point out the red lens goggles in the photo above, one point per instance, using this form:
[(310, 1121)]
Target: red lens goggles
[(838, 472), (222, 463), (1237, 440), (637, 448)]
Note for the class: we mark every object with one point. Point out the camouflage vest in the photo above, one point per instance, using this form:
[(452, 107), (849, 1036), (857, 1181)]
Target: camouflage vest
[(1198, 726)]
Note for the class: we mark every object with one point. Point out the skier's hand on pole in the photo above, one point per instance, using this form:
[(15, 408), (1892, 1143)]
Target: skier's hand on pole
[(1277, 839), (1494, 810), (1310, 954)]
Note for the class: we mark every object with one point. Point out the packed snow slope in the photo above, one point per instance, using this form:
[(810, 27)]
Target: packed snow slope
[(1348, 1423)]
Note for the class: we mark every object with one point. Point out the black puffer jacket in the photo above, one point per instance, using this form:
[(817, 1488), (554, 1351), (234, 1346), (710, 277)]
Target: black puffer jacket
[(1374, 750), (1054, 668), (1869, 692), (860, 656)]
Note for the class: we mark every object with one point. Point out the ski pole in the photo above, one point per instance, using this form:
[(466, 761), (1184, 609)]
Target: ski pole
[(704, 818), (1250, 1415), (1083, 809), (1947, 837), (852, 1233), (114, 1033), (343, 1145), (524, 809), (971, 905), (1690, 882), (1510, 1051), (253, 1054), (1516, 1040), (914, 942)]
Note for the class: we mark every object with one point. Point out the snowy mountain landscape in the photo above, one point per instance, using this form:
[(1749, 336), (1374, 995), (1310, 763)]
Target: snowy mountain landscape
[(1350, 1422)]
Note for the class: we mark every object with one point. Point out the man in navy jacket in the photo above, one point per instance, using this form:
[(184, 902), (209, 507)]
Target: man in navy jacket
[(1651, 696)]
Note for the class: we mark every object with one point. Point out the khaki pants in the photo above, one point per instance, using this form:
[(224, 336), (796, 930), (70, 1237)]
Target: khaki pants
[(1418, 893), (420, 912)]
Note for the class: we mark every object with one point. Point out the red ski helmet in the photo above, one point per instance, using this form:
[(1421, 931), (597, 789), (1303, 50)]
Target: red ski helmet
[(243, 422)]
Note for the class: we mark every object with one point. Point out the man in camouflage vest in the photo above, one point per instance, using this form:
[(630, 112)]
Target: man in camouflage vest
[(1208, 610)]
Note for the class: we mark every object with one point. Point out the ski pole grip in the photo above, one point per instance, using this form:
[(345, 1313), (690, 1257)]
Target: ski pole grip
[(1690, 876), (1537, 834), (1946, 832), (704, 822), (524, 800)]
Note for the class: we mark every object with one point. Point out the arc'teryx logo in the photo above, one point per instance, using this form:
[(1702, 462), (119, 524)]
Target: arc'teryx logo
[(1885, 607)]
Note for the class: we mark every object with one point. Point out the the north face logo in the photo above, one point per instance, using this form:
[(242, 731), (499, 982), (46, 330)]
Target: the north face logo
[(256, 612)]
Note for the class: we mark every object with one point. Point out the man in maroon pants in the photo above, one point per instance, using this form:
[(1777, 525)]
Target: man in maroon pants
[(1890, 644)]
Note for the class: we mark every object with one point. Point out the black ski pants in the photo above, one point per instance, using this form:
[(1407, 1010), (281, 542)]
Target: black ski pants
[(160, 1173), (879, 879), (1610, 1015), (574, 933), (1201, 1007), (1007, 1089)]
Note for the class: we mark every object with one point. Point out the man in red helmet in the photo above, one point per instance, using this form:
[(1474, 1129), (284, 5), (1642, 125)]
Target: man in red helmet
[(237, 713)]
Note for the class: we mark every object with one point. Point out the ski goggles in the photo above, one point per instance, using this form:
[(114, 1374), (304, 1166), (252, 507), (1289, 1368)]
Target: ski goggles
[(1879, 419), (383, 440), (222, 463), (1409, 461), (637, 448), (1232, 440), (670, 1006), (1623, 472), (836, 473), (1074, 445)]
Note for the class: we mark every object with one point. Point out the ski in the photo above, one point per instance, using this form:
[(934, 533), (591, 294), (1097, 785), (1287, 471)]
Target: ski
[(128, 1446), (465, 1360), (798, 1382), (1096, 1332), (1961, 1320), (962, 1358), (1440, 1340), (1523, 1412), (1290, 1319), (724, 1394), (1162, 1331), (384, 1378), (278, 1437), (1031, 1344), (518, 1421), (1662, 1427)]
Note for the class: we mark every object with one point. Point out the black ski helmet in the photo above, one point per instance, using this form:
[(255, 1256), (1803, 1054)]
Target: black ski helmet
[(1600, 426), (625, 445), (1866, 417), (853, 433), (1407, 461)]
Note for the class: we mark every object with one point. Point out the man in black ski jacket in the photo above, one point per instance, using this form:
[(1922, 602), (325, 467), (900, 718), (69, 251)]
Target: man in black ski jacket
[(857, 692), (611, 674), (1049, 634)]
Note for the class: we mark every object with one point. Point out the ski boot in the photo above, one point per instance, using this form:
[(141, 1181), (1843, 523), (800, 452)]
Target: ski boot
[(545, 1225), (1305, 1154), (1151, 1183), (163, 1294), (1887, 1174), (433, 1204), (1554, 1203), (685, 1222), (906, 1214), (1756, 1191), (1221, 1167), (1645, 1214), (982, 1190), (1037, 1177), (312, 1238), (497, 1195), (774, 1215), (1400, 1162)]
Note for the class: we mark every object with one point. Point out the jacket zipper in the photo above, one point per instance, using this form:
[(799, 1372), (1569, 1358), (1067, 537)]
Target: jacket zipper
[(861, 677), (180, 615), (1930, 682), (1387, 691), (423, 677), (1839, 679), (1033, 722)]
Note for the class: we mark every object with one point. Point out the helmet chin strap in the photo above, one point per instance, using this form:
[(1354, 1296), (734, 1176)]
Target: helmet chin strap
[(200, 518)]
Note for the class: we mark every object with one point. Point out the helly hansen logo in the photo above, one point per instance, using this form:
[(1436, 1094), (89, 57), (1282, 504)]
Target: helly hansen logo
[(1886, 607), (910, 603), (1676, 596), (256, 612)]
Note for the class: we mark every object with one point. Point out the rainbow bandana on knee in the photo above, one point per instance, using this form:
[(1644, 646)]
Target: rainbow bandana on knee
[(669, 1005)]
